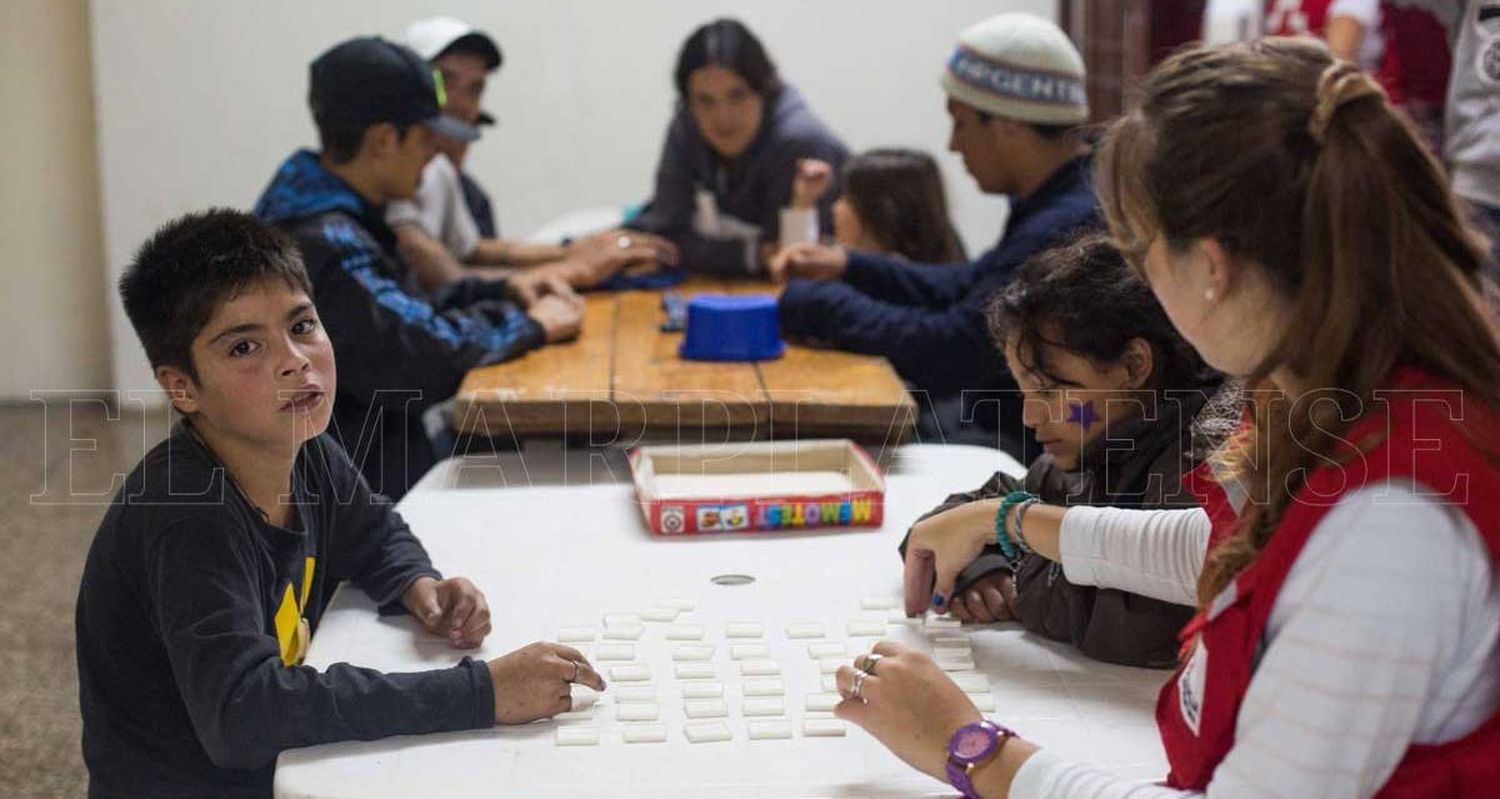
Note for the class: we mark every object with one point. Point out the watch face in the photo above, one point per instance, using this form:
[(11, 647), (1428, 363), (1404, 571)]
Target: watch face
[(973, 742)]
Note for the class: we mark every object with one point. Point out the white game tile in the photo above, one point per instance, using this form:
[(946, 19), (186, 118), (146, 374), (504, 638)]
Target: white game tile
[(692, 652), (630, 672), (744, 629), (637, 711), (764, 706), (749, 651), (704, 732), (702, 690), (759, 667), (695, 671), (705, 708), (644, 733), (771, 687), (764, 730), (577, 736), (823, 728)]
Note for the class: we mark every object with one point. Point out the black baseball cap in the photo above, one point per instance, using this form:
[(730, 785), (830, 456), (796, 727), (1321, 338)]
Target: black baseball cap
[(368, 80)]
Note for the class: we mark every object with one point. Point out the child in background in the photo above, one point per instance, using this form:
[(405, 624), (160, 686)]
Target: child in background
[(215, 562), (1123, 409), (892, 203)]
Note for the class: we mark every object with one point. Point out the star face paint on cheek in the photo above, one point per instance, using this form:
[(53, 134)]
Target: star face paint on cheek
[(1082, 413)]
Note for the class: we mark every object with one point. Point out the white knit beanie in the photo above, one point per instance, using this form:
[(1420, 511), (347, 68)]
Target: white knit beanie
[(1018, 66)]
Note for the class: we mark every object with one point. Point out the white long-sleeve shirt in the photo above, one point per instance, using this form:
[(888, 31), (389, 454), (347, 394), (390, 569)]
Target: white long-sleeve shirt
[(1386, 632)]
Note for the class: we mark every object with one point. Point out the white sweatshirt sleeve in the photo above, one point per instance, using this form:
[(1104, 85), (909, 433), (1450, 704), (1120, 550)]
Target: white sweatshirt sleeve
[(1154, 553), (1333, 703)]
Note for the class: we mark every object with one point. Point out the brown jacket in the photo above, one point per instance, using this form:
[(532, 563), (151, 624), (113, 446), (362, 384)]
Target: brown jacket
[(1139, 464)]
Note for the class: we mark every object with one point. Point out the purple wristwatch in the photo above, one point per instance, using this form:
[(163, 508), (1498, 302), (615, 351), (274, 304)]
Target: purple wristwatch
[(971, 745)]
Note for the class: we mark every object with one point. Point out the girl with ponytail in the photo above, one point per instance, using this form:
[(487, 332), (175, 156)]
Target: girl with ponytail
[(1347, 640)]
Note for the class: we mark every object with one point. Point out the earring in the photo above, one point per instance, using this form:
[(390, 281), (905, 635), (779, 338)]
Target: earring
[(1208, 295)]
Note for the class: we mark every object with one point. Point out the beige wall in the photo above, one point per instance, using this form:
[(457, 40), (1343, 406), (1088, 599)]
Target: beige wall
[(53, 323), (199, 101)]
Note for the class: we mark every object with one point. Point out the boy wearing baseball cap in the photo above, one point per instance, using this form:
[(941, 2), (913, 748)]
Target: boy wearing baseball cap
[(1015, 87), (378, 110), (450, 222)]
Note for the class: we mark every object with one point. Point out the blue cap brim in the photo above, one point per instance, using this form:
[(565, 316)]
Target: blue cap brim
[(452, 128)]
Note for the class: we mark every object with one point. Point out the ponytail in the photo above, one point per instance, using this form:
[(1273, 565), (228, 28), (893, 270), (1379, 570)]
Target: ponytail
[(1299, 167)]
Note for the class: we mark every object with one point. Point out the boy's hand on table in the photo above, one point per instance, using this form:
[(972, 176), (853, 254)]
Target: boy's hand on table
[(991, 598), (454, 609), (534, 682), (811, 261), (536, 282), (604, 254), (561, 317)]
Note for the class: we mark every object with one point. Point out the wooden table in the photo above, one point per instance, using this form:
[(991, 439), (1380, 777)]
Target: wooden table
[(622, 381)]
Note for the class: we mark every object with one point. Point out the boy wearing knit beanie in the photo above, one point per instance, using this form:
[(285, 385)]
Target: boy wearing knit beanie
[(1016, 100)]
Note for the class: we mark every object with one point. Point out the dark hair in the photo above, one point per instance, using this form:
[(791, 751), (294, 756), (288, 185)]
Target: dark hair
[(193, 265), (898, 196), (727, 43), (340, 142), (1084, 298), (1296, 164)]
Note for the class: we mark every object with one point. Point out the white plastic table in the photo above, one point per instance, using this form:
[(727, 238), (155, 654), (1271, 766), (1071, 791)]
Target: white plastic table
[(549, 555)]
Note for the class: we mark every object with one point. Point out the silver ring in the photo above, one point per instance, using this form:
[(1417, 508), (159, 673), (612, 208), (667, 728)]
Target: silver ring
[(576, 667), (857, 692), (623, 242), (870, 661)]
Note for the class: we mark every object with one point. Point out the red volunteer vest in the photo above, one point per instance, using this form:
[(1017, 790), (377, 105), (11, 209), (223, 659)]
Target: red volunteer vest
[(1415, 66), (1198, 707), (1296, 17)]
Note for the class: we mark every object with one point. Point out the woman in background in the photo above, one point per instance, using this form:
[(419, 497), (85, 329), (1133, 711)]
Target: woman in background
[(731, 153)]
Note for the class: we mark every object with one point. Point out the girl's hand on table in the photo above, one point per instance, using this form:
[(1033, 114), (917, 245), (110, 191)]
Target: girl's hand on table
[(991, 598), (939, 548)]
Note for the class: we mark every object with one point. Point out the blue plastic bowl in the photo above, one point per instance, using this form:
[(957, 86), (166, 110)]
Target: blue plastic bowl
[(732, 327)]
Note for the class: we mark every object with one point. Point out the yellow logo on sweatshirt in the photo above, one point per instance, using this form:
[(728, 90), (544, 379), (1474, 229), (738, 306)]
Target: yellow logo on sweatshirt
[(293, 632)]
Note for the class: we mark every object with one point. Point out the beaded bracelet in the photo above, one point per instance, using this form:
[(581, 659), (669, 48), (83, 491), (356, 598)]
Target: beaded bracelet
[(1008, 547), (1020, 536)]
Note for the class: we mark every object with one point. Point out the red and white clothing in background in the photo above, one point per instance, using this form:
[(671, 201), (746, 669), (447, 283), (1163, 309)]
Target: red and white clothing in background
[(1311, 17), (1405, 46)]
